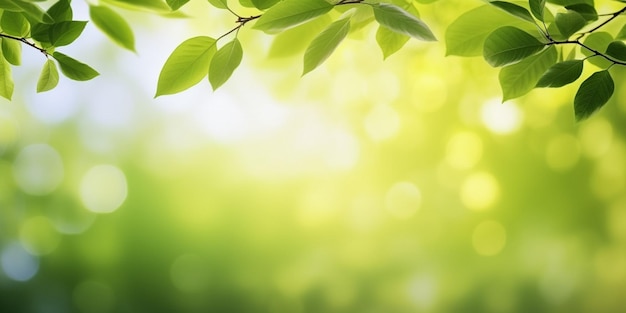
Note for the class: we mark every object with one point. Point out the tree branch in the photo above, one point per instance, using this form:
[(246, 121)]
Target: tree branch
[(26, 42)]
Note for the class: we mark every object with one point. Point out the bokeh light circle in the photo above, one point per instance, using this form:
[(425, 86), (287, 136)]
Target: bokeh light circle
[(489, 238), (38, 169), (403, 200), (103, 188), (480, 191), (17, 263), (39, 236), (501, 118)]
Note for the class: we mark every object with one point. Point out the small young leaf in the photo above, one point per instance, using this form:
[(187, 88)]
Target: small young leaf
[(537, 7), (49, 77), (389, 41), (290, 13), (176, 4), (74, 69), (224, 63), (12, 51), (593, 93), (570, 22), (263, 4), (598, 41), (617, 50), (61, 11), (508, 45), (14, 23), (561, 74), (186, 66), (587, 11), (325, 43), (220, 4), (6, 79), (400, 21), (514, 9), (518, 79), (113, 25), (64, 33)]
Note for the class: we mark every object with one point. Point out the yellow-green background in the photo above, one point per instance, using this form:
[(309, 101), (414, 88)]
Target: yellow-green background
[(366, 186)]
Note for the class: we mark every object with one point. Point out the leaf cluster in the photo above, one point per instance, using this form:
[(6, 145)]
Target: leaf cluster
[(26, 23), (544, 43), (199, 57)]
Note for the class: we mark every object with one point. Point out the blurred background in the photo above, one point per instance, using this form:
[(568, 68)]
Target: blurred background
[(366, 186)]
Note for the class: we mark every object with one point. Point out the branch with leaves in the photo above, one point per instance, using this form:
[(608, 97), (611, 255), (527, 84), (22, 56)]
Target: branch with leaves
[(524, 45), (198, 57)]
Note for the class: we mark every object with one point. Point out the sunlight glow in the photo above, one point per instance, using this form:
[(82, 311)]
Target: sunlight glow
[(382, 122), (501, 118)]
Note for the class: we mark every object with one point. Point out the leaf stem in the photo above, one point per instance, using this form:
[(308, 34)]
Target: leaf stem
[(26, 42), (594, 51)]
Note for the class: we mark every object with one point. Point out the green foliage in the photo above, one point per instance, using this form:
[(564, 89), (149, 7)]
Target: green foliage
[(575, 23), (519, 37), (187, 65), (325, 43), (593, 93), (49, 77), (113, 25), (224, 63)]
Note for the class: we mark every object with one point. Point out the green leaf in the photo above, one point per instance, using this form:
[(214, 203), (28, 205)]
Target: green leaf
[(569, 23), (617, 50), (518, 79), (264, 4), (325, 43), (622, 33), (12, 51), (466, 35), (9, 5), (389, 41), (155, 5), (61, 11), (64, 33), (598, 41), (401, 21), (290, 13), (74, 69), (537, 7), (226, 60), (186, 66), (220, 4), (593, 93), (113, 25), (588, 12), (245, 3), (296, 39), (6, 79), (34, 11), (49, 77), (561, 74), (14, 23), (514, 9), (508, 45), (176, 4)]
